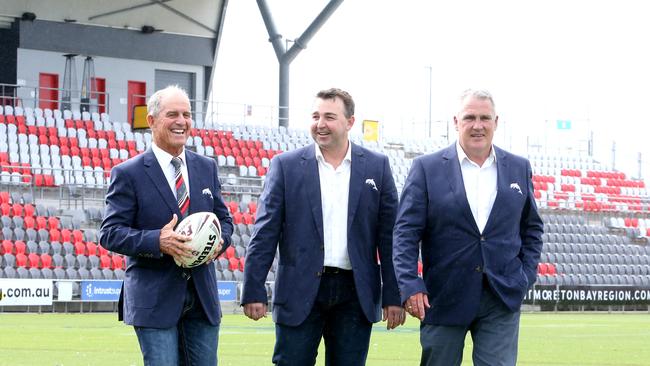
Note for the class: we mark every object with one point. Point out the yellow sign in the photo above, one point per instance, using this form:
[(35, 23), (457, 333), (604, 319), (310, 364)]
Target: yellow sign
[(370, 130), (140, 117)]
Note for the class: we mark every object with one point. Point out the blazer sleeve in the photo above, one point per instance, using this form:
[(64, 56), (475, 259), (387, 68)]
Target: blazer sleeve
[(409, 226), (117, 233), (387, 214), (266, 234), (531, 229)]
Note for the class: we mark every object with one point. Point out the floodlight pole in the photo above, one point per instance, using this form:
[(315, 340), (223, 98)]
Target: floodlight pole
[(285, 57)]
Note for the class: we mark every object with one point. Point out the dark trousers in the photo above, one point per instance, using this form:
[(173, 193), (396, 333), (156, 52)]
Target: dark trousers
[(495, 333), (336, 317)]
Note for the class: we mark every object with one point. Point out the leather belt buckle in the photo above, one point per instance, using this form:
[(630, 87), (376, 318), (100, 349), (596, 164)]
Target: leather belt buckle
[(335, 270)]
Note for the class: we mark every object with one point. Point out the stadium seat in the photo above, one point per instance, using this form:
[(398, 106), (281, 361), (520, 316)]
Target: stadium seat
[(105, 261)]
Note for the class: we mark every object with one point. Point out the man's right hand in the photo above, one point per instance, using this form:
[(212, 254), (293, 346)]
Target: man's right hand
[(172, 243), (417, 304), (255, 310)]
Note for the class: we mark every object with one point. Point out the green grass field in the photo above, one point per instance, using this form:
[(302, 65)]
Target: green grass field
[(99, 339)]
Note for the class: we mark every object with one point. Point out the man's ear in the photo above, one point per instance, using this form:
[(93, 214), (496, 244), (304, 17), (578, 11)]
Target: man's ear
[(350, 123)]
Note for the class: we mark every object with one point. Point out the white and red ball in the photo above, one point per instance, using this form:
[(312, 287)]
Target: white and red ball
[(205, 230)]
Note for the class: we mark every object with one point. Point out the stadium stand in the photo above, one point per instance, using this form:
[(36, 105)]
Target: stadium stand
[(597, 221)]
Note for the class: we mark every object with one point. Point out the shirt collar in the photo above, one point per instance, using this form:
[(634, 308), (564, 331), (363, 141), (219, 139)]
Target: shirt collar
[(321, 158), (492, 158), (165, 158)]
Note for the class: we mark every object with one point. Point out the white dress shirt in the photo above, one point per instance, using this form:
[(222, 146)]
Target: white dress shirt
[(480, 185), (165, 160), (334, 191)]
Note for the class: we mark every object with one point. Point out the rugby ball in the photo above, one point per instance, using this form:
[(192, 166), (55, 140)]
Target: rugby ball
[(205, 230)]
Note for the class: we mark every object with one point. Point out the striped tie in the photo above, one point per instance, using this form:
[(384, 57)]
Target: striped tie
[(182, 195)]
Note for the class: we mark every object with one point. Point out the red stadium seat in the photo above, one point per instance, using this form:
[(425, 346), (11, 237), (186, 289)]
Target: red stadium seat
[(102, 250), (105, 261), (46, 260), (53, 222), (29, 222), (252, 207), (7, 247), (17, 209), (118, 262), (237, 218), (77, 235), (230, 252), (20, 247), (55, 235), (79, 248), (233, 206), (5, 209), (21, 260), (29, 209), (41, 223), (66, 235), (91, 248), (233, 263), (33, 260)]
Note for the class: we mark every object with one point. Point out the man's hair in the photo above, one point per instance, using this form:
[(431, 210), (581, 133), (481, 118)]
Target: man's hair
[(153, 104), (478, 94), (333, 93)]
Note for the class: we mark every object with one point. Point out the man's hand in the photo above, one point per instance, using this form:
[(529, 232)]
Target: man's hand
[(395, 316), (255, 310), (172, 243), (417, 304)]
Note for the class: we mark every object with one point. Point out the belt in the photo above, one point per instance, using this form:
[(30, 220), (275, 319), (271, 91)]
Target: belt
[(336, 270)]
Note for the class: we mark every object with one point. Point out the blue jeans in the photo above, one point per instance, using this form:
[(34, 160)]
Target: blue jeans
[(495, 333), (192, 342), (338, 318)]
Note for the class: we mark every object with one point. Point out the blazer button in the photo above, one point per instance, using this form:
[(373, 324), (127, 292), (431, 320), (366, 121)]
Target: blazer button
[(482, 238), (318, 274), (478, 269)]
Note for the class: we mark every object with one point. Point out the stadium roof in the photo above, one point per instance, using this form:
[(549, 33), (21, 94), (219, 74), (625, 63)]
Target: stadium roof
[(202, 18)]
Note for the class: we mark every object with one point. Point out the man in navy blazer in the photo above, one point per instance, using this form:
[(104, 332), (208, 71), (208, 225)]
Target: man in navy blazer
[(472, 207), (175, 311), (329, 208)]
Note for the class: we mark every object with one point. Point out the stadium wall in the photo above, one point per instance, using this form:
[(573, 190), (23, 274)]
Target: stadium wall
[(116, 71), (120, 55)]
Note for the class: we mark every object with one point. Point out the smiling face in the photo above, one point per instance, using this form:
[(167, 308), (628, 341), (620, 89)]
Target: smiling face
[(171, 126), (476, 123), (330, 126)]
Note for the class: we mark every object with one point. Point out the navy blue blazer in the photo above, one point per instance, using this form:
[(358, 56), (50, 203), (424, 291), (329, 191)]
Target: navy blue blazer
[(455, 255), (289, 216), (139, 203)]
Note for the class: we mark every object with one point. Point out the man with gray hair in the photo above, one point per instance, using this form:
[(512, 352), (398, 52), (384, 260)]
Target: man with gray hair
[(472, 208), (175, 311)]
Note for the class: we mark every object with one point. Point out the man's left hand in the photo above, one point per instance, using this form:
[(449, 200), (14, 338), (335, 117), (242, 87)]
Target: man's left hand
[(395, 316)]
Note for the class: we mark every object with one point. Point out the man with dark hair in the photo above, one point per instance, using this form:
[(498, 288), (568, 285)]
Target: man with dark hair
[(472, 208), (175, 311), (329, 208)]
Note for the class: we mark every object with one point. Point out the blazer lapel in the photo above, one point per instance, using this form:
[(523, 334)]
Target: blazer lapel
[(155, 173), (311, 181), (502, 181), (357, 172), (455, 177), (193, 176)]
